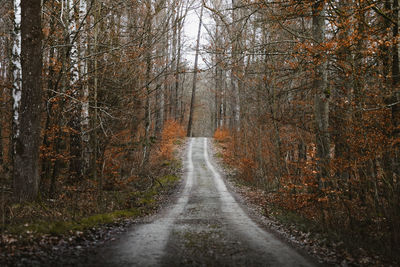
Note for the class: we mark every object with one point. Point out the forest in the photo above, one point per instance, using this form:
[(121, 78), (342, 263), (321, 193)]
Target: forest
[(302, 99)]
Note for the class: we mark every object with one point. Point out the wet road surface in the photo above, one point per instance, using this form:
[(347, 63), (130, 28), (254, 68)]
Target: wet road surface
[(204, 227)]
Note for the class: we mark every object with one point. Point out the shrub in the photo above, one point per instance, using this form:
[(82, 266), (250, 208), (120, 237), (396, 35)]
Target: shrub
[(171, 135)]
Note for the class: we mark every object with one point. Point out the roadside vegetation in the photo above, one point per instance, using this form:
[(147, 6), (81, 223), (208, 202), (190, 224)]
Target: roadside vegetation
[(78, 208), (322, 227)]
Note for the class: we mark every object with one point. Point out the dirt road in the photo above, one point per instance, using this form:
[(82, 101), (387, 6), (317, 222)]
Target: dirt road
[(204, 227)]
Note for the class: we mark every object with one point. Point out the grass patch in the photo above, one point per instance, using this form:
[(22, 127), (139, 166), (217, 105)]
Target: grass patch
[(178, 141), (219, 155), (63, 227), (288, 217)]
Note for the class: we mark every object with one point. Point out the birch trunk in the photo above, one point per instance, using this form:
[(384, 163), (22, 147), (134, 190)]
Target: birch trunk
[(16, 68), (75, 120), (73, 53), (83, 64)]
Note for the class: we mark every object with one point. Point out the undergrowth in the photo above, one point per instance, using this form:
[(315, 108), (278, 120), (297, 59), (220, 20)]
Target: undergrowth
[(359, 245), (81, 205)]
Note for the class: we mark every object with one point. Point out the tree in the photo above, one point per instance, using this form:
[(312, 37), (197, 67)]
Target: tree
[(195, 71), (27, 103), (321, 100)]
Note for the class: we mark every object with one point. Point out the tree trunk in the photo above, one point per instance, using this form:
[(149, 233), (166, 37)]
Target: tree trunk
[(235, 68), (85, 116), (28, 113), (76, 165), (321, 100), (343, 116), (146, 149), (177, 66), (395, 89), (174, 95), (94, 120), (196, 59), (396, 127)]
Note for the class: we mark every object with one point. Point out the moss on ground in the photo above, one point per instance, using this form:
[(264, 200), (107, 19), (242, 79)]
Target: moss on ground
[(144, 203)]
